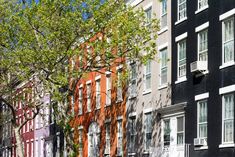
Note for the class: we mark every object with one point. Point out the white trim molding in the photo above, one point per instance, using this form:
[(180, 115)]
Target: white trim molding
[(132, 114), (227, 14), (148, 6), (201, 96), (227, 89), (88, 82), (147, 110), (162, 46), (119, 117), (181, 37), (98, 77), (181, 79), (201, 27), (226, 145)]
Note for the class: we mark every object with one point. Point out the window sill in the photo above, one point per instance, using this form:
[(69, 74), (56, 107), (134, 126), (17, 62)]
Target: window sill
[(146, 152), (226, 145), (162, 30), (225, 65), (201, 148), (162, 86), (200, 10), (181, 79), (131, 154), (147, 92), (107, 105), (181, 20), (98, 108), (119, 100)]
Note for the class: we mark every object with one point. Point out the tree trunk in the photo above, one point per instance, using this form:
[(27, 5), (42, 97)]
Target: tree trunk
[(19, 143)]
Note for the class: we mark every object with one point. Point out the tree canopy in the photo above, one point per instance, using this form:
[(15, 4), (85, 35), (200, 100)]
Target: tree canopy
[(41, 37)]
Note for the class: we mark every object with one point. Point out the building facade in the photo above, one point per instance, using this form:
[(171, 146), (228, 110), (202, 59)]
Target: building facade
[(203, 75), (150, 86)]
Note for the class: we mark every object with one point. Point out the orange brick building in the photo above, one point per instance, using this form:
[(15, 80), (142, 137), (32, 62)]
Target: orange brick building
[(99, 106)]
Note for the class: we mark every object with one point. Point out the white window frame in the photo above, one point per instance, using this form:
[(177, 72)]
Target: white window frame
[(147, 75), (178, 61), (165, 67), (119, 85), (205, 6), (148, 9), (108, 89), (88, 88), (80, 141), (98, 93), (119, 137), (198, 116), (223, 119), (163, 14), (178, 11), (147, 112), (182, 116), (133, 133), (107, 137), (133, 80), (223, 42), (80, 99), (199, 45)]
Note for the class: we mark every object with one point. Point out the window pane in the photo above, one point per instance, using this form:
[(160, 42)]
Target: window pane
[(228, 40), (182, 58)]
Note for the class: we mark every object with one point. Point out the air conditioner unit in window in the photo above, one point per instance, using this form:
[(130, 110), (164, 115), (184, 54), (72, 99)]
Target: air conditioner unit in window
[(200, 142), (198, 66)]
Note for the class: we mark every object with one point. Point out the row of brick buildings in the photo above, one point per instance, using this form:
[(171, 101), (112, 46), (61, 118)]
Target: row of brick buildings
[(180, 104)]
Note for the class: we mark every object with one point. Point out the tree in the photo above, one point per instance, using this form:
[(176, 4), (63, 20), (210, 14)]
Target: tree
[(41, 39)]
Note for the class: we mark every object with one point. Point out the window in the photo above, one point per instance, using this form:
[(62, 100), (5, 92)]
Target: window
[(119, 86), (163, 13), (27, 149), (31, 148), (132, 125), (148, 14), (58, 145), (228, 40), (119, 138), (180, 130), (228, 118), (133, 80), (202, 45), (182, 12), (202, 119), (147, 76), (107, 139), (80, 142), (148, 130), (163, 75), (98, 97), (108, 89), (80, 98), (182, 58), (88, 97), (167, 132), (202, 4), (72, 104)]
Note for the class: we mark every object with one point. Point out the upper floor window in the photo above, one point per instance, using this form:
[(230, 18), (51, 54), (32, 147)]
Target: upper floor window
[(163, 13), (119, 85), (98, 92), (107, 138), (202, 4), (133, 80), (202, 119), (228, 40), (148, 14), (182, 9), (88, 97), (228, 118), (182, 58), (163, 75), (108, 89), (119, 138), (147, 76), (203, 45), (80, 142), (80, 98)]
